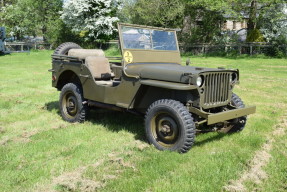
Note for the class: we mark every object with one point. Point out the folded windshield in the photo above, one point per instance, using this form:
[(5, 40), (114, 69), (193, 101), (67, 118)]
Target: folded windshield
[(148, 39)]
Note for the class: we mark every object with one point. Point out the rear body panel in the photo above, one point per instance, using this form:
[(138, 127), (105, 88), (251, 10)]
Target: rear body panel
[(117, 95)]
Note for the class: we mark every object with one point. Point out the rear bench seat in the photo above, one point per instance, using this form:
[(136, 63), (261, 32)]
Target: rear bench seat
[(97, 63)]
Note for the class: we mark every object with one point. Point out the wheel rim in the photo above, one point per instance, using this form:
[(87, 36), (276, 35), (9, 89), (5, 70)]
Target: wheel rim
[(164, 130), (70, 105)]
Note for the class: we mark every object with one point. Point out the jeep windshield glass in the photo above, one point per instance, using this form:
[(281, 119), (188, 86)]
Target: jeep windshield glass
[(148, 39)]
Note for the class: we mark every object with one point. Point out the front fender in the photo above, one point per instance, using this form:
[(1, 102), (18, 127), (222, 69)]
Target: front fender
[(168, 85)]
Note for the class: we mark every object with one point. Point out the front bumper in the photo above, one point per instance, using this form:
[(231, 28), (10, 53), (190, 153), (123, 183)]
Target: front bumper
[(232, 114), (212, 118)]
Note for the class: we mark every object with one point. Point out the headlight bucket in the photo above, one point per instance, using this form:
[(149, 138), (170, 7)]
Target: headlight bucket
[(199, 81), (233, 77)]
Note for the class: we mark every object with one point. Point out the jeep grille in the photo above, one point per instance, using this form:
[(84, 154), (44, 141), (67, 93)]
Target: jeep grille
[(216, 86)]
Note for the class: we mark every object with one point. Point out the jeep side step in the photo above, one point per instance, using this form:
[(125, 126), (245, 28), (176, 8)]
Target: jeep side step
[(110, 107)]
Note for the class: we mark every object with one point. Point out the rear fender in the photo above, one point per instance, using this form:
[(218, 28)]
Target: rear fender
[(65, 77)]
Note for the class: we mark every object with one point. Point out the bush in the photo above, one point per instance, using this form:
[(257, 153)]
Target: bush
[(255, 36), (276, 51)]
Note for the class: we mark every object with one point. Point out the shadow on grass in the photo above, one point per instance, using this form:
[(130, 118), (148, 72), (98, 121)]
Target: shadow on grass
[(113, 120), (117, 121), (210, 139), (51, 106)]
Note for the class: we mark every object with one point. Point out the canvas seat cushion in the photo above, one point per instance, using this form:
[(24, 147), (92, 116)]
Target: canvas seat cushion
[(83, 53), (99, 67)]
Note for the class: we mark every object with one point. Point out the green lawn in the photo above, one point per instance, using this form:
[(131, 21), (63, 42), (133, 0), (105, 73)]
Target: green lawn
[(41, 152)]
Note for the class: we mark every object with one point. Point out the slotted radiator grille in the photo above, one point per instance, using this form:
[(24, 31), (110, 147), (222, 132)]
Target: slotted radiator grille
[(216, 88)]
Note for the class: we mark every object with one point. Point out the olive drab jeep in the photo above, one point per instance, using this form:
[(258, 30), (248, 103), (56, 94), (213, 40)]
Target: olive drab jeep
[(176, 101)]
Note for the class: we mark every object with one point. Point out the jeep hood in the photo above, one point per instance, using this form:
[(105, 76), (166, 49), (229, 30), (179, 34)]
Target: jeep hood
[(166, 72)]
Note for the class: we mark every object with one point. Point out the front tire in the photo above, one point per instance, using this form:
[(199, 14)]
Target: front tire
[(170, 126), (71, 104), (238, 124)]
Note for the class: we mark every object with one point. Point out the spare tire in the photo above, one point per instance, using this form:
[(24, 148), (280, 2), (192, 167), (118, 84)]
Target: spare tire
[(64, 48)]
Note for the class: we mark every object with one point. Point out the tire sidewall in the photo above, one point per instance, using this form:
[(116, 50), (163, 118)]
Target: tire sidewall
[(64, 48), (176, 117), (73, 88)]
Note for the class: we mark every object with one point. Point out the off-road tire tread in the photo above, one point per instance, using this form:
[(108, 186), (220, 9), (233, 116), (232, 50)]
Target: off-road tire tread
[(236, 101), (82, 115), (65, 47), (188, 123)]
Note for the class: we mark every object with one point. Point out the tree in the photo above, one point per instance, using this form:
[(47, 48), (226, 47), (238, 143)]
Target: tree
[(94, 19), (273, 23), (200, 24), (31, 17), (124, 11), (11, 18), (160, 13), (5, 2), (254, 9), (45, 14)]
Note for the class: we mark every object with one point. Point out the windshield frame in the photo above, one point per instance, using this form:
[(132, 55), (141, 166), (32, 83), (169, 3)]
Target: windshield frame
[(132, 26)]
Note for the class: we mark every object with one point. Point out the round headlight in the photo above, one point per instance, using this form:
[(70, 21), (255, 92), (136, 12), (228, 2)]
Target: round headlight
[(199, 81)]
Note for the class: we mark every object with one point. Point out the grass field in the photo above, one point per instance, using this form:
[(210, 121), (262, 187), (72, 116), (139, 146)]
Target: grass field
[(41, 152)]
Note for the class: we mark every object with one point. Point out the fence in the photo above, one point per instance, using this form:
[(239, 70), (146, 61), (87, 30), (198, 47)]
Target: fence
[(219, 49), (243, 48), (26, 47), (195, 49)]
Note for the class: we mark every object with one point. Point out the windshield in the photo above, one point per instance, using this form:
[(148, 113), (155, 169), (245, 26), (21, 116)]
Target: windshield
[(148, 39)]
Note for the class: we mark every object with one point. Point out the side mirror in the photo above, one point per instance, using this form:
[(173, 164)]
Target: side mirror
[(187, 61)]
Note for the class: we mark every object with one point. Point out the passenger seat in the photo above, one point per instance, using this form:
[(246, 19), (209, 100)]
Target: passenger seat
[(101, 71), (97, 63)]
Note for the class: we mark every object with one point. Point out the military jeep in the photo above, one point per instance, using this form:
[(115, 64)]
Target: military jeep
[(149, 80)]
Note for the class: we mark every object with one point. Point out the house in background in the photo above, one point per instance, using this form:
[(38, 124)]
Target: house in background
[(234, 25), (228, 26), (237, 27)]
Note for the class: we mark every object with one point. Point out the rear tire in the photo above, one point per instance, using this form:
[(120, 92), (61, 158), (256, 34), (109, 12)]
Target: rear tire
[(71, 104), (64, 48), (170, 126)]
